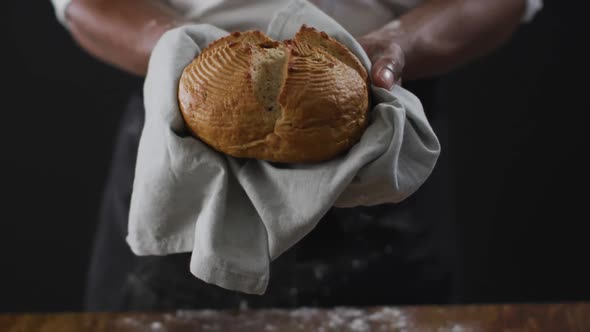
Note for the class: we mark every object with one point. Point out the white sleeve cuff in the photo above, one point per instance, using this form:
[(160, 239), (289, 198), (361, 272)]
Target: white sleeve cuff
[(60, 10), (532, 8)]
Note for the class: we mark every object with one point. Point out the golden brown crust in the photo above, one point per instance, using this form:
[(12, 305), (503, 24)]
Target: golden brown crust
[(303, 100), (320, 39), (249, 37)]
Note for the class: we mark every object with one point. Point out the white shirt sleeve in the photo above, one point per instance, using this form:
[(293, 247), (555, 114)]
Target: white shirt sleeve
[(532, 8), (60, 10)]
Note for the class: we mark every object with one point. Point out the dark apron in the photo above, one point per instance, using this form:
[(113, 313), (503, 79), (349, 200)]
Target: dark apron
[(384, 255)]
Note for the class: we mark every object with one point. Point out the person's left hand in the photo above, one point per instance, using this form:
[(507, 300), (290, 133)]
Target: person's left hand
[(386, 55)]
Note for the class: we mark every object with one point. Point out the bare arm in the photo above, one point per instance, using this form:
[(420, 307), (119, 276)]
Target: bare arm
[(120, 32), (439, 36)]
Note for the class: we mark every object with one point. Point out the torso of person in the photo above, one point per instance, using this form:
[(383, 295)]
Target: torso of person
[(392, 253)]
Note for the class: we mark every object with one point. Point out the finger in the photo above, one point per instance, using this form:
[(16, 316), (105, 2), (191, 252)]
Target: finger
[(388, 67), (383, 73)]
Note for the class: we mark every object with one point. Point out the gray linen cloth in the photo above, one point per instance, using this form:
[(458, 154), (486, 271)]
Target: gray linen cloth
[(236, 216)]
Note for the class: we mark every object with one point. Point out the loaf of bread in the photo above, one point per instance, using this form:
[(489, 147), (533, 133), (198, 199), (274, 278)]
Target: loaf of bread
[(294, 101)]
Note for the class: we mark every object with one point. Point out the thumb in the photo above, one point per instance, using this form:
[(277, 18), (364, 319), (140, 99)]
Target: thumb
[(387, 69)]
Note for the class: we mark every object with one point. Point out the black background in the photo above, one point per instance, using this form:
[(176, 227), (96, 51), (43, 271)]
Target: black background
[(518, 137)]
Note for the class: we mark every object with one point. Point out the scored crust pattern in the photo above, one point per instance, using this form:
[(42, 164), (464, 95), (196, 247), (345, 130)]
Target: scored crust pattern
[(299, 100)]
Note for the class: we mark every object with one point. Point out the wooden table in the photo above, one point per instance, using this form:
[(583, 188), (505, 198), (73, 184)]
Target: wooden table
[(523, 317)]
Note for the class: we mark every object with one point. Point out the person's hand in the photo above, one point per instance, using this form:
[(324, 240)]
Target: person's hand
[(386, 55), (122, 33), (439, 36)]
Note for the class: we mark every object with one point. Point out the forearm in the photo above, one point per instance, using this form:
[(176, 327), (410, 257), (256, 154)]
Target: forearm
[(120, 32), (443, 34)]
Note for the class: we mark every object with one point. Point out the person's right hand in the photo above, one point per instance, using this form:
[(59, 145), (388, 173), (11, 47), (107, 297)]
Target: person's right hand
[(387, 57)]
